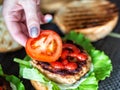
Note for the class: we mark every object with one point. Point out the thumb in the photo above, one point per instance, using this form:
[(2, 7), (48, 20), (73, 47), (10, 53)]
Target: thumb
[(32, 19)]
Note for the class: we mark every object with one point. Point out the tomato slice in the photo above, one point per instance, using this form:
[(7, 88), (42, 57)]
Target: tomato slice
[(47, 47)]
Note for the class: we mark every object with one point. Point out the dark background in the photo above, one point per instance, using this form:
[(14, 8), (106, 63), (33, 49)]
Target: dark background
[(110, 45)]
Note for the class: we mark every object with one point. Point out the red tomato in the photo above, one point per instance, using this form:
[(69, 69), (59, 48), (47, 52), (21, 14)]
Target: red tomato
[(47, 47), (71, 47)]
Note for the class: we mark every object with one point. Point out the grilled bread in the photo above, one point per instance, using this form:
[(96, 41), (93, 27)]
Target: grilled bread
[(51, 6), (95, 19), (7, 43), (38, 85)]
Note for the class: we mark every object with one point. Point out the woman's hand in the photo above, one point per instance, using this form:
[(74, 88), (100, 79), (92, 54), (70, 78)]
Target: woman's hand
[(23, 19)]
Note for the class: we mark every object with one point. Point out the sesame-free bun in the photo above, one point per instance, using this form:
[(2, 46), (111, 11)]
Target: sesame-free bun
[(94, 19), (38, 85)]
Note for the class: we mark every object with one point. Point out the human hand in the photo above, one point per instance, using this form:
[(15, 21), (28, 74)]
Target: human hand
[(23, 19)]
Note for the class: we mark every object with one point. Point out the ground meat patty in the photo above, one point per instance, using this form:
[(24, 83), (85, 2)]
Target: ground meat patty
[(46, 66), (64, 76)]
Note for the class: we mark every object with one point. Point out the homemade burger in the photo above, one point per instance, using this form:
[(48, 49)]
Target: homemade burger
[(68, 64), (69, 68), (93, 18)]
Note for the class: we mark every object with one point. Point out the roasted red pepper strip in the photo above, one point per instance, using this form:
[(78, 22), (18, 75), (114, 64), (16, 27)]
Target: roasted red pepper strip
[(64, 54), (69, 50), (57, 65), (71, 47)]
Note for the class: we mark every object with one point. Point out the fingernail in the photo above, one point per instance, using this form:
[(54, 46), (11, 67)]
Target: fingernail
[(34, 32), (48, 18)]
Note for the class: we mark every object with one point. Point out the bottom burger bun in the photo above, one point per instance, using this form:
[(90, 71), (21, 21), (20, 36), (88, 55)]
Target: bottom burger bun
[(44, 76), (94, 19), (38, 85)]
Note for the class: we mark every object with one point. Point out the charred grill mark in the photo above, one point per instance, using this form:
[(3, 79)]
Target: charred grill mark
[(47, 67), (87, 18)]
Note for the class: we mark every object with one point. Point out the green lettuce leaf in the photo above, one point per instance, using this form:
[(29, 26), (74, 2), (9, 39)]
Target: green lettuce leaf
[(89, 84), (25, 63), (80, 40), (102, 66), (15, 82), (1, 71)]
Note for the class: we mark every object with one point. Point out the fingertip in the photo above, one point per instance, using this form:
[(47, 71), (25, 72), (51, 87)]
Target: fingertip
[(34, 32), (48, 18)]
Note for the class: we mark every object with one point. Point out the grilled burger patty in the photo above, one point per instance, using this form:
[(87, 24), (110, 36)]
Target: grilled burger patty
[(46, 66), (64, 76)]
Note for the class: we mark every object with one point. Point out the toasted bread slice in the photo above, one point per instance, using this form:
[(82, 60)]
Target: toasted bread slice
[(38, 85), (51, 6), (95, 19), (7, 43)]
